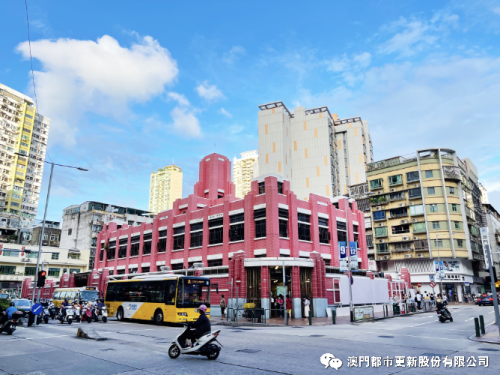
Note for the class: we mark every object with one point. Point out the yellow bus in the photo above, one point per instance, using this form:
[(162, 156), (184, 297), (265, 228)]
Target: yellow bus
[(158, 298), (85, 293)]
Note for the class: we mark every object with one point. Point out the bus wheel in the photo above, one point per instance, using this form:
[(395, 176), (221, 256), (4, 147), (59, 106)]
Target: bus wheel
[(158, 319), (119, 314)]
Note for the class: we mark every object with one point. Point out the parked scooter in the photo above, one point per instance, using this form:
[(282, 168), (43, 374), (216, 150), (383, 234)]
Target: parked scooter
[(203, 346)]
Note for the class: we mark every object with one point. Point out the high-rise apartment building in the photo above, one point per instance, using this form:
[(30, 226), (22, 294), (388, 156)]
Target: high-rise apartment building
[(355, 150), (22, 131), (244, 170), (317, 151), (425, 208), (165, 187)]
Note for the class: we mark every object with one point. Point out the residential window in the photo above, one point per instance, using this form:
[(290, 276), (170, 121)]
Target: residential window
[(324, 233), (262, 187), (454, 207), (435, 225), (30, 271), (414, 193), (438, 243), (376, 184), (395, 180), (283, 228), (215, 231), (55, 256), (434, 207), (304, 226), (259, 217), (7, 270), (428, 174), (431, 191), (237, 227), (73, 270), (162, 245), (238, 218), (280, 187), (412, 176), (177, 266), (179, 238), (111, 250), (101, 255), (135, 243), (419, 227), (378, 215), (54, 272), (54, 237), (457, 224), (460, 243), (400, 229), (70, 230), (146, 246), (196, 235), (145, 269), (451, 189)]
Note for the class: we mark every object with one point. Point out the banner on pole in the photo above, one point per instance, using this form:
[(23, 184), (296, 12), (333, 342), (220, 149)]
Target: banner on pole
[(486, 244), (342, 256), (353, 247)]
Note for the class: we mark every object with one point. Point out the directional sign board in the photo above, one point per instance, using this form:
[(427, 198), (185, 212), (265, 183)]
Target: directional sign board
[(431, 277), (432, 284), (37, 309)]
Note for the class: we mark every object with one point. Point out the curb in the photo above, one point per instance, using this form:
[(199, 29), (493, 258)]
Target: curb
[(482, 340), (394, 316)]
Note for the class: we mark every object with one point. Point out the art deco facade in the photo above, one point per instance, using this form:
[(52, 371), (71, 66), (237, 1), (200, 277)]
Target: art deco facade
[(165, 188), (244, 170), (22, 131)]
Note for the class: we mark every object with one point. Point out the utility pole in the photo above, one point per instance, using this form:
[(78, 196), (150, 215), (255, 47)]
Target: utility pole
[(284, 291), (348, 249), (486, 245)]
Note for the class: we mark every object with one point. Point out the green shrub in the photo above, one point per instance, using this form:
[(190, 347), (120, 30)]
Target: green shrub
[(4, 303)]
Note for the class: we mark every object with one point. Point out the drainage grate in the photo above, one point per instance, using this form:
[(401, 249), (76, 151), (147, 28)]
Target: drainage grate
[(387, 337), (248, 351), (489, 350), (316, 335)]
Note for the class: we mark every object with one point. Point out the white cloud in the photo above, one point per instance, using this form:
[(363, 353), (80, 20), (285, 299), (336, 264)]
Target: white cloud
[(233, 54), (185, 123), (102, 77), (179, 98), (496, 10), (363, 59), (226, 113), (209, 92), (338, 64)]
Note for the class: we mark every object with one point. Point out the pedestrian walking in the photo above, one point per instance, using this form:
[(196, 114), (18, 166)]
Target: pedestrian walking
[(279, 303), (222, 307), (418, 298), (433, 300), (288, 306), (306, 307)]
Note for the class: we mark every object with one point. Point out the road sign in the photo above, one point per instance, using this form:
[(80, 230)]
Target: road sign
[(238, 279), (466, 283), (431, 277), (37, 309), (432, 284), (419, 285)]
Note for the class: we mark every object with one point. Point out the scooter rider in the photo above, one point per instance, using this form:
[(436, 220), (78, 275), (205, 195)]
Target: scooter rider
[(202, 326), (100, 305), (64, 306)]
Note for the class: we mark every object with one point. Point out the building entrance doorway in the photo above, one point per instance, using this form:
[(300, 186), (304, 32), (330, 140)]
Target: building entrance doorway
[(277, 289), (253, 286), (306, 289)]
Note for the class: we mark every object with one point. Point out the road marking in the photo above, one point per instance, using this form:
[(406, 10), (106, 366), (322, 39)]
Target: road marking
[(468, 319), (491, 312), (418, 324)]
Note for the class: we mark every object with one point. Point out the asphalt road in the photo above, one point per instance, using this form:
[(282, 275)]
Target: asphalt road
[(141, 348)]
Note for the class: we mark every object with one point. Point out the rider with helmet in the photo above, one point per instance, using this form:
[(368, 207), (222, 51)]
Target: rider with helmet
[(202, 326)]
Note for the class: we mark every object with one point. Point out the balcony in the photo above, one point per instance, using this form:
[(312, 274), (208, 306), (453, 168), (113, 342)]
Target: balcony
[(398, 214), (451, 173), (379, 200), (383, 249), (380, 232), (419, 228), (394, 197), (421, 245), (402, 247), (379, 217)]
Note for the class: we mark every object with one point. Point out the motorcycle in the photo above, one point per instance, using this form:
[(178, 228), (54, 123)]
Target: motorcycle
[(444, 315), (102, 312), (68, 317), (9, 326), (46, 315), (205, 346), (87, 313)]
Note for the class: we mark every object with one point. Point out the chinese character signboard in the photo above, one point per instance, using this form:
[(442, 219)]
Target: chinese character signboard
[(486, 245)]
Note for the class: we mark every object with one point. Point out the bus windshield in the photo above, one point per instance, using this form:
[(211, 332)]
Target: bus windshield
[(89, 295), (193, 292)]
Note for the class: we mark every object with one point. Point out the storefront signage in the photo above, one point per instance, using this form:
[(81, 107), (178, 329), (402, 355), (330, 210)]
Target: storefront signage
[(446, 267), (486, 244)]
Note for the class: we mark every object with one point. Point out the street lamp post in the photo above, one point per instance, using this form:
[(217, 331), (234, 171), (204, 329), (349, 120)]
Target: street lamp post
[(45, 216)]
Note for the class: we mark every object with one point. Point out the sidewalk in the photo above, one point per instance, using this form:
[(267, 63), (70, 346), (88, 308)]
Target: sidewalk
[(491, 336)]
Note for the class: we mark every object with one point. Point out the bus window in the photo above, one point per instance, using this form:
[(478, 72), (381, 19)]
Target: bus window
[(191, 294), (56, 295), (171, 285), (63, 295), (153, 291), (89, 295)]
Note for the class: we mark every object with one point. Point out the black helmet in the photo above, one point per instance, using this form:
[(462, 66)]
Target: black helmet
[(12, 304)]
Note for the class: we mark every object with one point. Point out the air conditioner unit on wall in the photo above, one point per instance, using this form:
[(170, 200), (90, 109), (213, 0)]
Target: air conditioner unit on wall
[(381, 225), (416, 185), (401, 205), (420, 255), (378, 208), (381, 241), (406, 238), (414, 220), (407, 255), (404, 221), (415, 238), (412, 203), (393, 190)]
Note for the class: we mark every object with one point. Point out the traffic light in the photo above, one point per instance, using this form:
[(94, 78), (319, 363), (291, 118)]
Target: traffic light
[(41, 279), (288, 280)]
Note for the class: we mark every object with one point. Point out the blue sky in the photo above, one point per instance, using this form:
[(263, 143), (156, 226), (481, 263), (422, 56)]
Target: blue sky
[(130, 86)]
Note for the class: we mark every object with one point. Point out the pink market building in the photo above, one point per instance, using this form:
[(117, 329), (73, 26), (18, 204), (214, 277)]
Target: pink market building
[(245, 239)]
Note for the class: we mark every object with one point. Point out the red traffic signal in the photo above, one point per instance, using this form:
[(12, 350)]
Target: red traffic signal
[(41, 279)]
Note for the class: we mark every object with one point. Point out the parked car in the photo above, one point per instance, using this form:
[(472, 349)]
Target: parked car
[(487, 300), (4, 296), (22, 304)]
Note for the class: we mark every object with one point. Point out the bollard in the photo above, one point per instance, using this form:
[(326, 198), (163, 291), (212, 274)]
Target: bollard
[(310, 319), (481, 324), (476, 324), (334, 314)]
